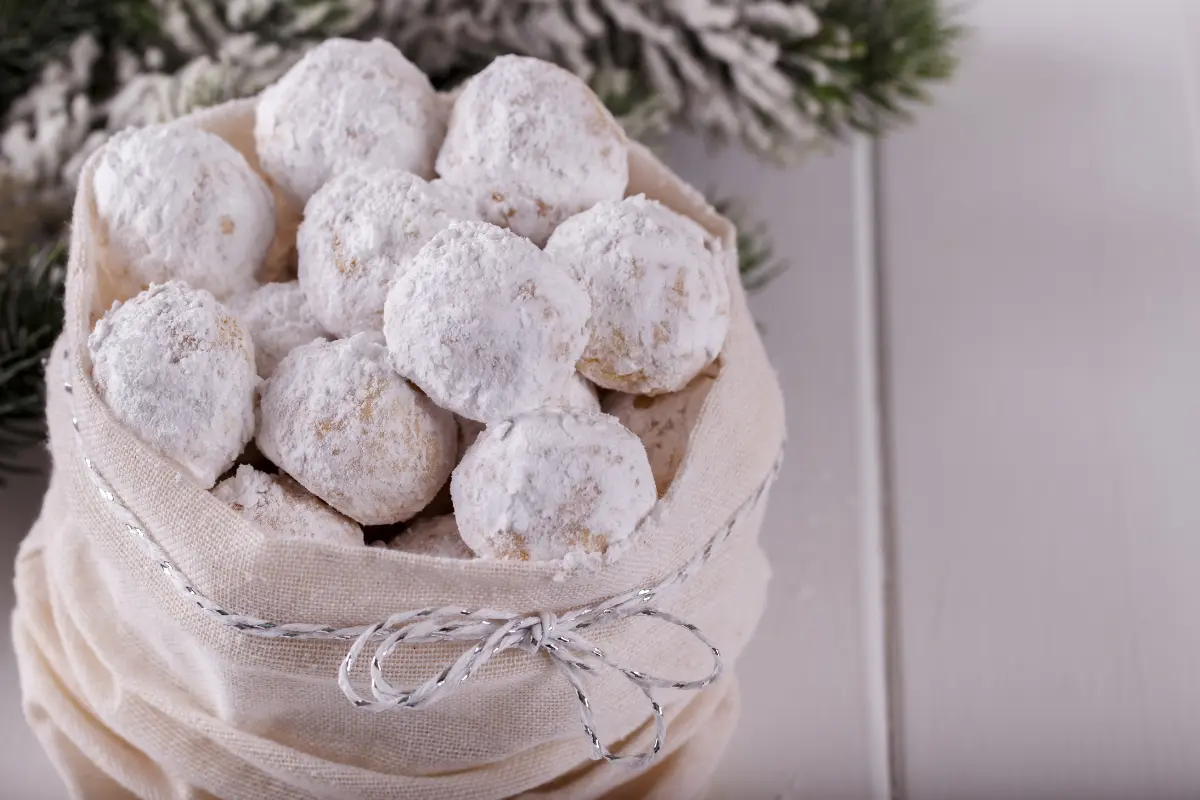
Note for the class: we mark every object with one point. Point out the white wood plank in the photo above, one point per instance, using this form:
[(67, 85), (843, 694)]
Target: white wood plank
[(1043, 241), (812, 723)]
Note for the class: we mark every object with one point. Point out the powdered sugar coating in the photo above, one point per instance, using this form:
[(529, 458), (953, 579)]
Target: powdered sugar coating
[(336, 418), (284, 509), (176, 368), (580, 394), (550, 484), (534, 145), (659, 293), (180, 203), (433, 536), (347, 103), (485, 323), (278, 319), (362, 229), (663, 423)]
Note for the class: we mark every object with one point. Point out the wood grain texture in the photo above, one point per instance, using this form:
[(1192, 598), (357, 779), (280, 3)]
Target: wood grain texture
[(811, 724), (1042, 253)]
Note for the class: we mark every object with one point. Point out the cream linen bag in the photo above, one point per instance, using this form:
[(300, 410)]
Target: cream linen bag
[(134, 689)]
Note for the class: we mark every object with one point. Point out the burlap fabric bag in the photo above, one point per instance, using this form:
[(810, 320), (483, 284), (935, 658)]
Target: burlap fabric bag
[(135, 690)]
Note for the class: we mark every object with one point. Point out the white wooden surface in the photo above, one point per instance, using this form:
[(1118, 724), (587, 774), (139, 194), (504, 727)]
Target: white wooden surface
[(1040, 420), (1042, 230)]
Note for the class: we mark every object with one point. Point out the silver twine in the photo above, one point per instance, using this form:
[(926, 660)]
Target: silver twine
[(491, 631)]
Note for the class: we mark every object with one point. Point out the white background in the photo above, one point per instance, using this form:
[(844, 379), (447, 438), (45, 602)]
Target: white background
[(987, 535)]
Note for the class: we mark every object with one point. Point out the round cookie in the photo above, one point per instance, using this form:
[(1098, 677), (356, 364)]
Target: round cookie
[(663, 423), (347, 103), (659, 291), (580, 395), (180, 203), (485, 323), (534, 145), (279, 319), (551, 484), (361, 230), (336, 418), (433, 536), (283, 508), (176, 368)]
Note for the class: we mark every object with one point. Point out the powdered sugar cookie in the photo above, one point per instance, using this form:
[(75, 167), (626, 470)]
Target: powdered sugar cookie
[(176, 368), (485, 323), (663, 423), (177, 202), (549, 484), (336, 418), (283, 508), (347, 103), (659, 294), (534, 145), (360, 231), (279, 319), (433, 536)]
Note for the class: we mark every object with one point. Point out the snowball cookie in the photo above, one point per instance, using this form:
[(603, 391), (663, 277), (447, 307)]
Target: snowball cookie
[(663, 423), (485, 323), (580, 394), (177, 369), (347, 103), (360, 230), (551, 483), (336, 418), (283, 509), (534, 145), (177, 202), (658, 290), (434, 536), (279, 319)]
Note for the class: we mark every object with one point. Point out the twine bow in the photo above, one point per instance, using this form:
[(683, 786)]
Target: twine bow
[(493, 632)]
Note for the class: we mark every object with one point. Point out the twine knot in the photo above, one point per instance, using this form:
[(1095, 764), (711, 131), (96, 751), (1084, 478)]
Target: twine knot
[(539, 632)]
